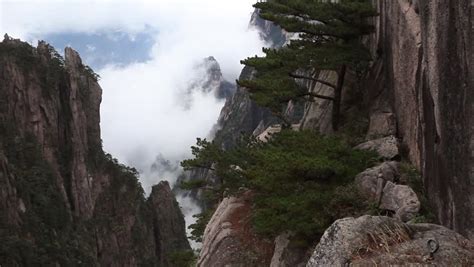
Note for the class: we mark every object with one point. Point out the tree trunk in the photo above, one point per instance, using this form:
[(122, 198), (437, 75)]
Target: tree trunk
[(336, 104)]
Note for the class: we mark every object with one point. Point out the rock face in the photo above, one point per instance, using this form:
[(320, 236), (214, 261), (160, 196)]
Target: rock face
[(423, 73), (229, 240), (368, 241), (63, 201), (318, 114), (240, 115), (381, 125), (168, 222)]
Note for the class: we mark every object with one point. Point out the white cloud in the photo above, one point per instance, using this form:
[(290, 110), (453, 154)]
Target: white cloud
[(141, 112)]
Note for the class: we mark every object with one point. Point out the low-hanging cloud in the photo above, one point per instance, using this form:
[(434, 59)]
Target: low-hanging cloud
[(143, 114)]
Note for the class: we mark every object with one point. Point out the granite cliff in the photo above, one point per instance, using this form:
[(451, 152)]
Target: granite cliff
[(63, 200), (414, 105)]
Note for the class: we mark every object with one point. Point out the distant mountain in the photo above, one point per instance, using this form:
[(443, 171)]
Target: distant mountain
[(210, 79)]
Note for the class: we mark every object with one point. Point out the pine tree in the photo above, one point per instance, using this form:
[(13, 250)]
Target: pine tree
[(330, 39)]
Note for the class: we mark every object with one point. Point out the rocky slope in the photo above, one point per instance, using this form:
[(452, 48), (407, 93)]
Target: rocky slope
[(415, 104), (63, 201)]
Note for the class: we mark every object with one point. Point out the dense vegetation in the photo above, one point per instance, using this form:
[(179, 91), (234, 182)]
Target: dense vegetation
[(330, 38), (301, 181), (47, 233)]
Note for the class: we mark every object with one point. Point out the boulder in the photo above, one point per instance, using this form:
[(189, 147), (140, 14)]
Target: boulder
[(401, 199), (383, 241), (386, 147), (379, 184), (372, 181)]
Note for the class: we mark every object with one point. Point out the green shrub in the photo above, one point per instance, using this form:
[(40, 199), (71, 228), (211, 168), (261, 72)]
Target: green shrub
[(302, 181)]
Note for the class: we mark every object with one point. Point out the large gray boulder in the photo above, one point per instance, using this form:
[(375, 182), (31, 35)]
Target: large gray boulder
[(384, 241), (401, 199), (379, 185), (372, 180), (386, 147)]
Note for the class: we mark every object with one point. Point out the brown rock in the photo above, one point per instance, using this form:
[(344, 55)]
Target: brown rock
[(229, 239)]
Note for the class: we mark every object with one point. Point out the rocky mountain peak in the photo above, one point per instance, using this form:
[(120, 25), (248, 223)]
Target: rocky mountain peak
[(67, 202), (211, 79), (72, 58)]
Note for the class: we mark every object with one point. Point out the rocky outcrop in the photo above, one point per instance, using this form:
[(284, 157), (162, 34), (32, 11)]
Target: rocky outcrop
[(269, 32), (229, 239), (386, 147), (379, 185), (211, 80), (63, 201), (168, 223), (369, 241), (423, 74), (401, 199), (240, 115)]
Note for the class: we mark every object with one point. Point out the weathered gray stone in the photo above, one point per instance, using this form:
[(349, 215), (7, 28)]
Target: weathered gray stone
[(386, 147), (401, 199), (383, 241), (372, 181), (378, 183)]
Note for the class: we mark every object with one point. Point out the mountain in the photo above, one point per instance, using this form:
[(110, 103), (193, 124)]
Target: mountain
[(211, 79), (414, 106), (63, 200)]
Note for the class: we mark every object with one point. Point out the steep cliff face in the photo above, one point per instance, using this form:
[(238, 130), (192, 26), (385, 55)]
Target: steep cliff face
[(62, 199), (240, 114), (168, 223), (423, 71), (419, 92), (420, 85)]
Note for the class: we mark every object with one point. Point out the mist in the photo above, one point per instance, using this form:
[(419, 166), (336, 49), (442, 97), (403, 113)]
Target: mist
[(149, 117)]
